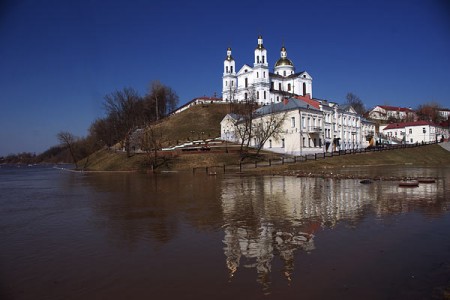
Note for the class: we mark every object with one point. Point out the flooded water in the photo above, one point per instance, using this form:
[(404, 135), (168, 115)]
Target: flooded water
[(67, 235)]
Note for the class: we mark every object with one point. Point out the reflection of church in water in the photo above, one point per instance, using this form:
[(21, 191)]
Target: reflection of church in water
[(276, 216)]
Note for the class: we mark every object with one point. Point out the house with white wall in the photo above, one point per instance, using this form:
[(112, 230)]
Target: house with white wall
[(309, 126), (414, 132), (385, 112)]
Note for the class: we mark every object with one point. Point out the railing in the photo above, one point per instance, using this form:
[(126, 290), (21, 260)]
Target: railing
[(315, 129), (298, 159)]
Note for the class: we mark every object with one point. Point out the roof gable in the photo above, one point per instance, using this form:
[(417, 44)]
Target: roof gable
[(244, 69)]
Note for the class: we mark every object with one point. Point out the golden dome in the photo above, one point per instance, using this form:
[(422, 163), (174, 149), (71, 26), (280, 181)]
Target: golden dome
[(284, 61)]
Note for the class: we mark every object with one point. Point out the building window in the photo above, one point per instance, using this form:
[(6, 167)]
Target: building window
[(264, 94), (245, 96), (303, 122), (270, 143), (292, 122), (226, 83), (263, 59), (282, 143), (231, 68), (411, 140), (279, 86), (246, 82), (304, 88), (304, 142), (226, 68), (257, 74), (257, 94), (232, 83), (289, 87), (424, 130), (264, 74), (278, 98), (284, 73), (271, 85), (257, 59)]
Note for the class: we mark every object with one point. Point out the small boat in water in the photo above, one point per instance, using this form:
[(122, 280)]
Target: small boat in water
[(409, 183), (366, 181)]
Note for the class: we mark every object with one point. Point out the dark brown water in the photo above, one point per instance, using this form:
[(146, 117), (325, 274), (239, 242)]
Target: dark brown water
[(69, 235)]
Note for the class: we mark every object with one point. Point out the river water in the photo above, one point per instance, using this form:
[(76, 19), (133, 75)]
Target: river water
[(66, 235)]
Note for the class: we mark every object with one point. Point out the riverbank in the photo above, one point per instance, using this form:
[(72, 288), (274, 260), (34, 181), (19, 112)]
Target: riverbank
[(423, 156)]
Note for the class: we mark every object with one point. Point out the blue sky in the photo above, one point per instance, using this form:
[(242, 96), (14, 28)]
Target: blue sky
[(58, 59)]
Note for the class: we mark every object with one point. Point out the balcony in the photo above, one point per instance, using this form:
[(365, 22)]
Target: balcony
[(315, 129)]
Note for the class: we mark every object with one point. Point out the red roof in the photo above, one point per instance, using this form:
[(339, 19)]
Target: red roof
[(395, 108), (307, 99), (408, 124)]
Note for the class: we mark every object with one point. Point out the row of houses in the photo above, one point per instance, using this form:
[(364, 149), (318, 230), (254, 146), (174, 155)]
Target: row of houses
[(306, 126), (309, 125)]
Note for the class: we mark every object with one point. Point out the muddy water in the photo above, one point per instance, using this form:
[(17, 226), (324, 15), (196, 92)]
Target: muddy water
[(69, 235)]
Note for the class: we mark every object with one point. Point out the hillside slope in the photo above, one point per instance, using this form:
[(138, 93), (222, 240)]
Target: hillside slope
[(197, 122)]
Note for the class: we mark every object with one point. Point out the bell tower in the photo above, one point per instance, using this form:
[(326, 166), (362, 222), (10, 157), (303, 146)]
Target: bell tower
[(229, 81)]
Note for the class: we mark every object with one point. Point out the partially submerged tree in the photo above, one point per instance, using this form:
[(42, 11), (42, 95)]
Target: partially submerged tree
[(69, 140), (152, 139)]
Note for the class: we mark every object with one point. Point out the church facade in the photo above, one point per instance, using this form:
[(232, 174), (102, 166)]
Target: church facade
[(257, 83)]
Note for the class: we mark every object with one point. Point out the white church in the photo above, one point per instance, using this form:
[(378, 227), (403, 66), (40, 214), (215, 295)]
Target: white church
[(258, 83), (308, 125)]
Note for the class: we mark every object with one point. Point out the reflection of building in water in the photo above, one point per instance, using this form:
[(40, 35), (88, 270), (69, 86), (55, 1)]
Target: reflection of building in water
[(266, 217), (275, 216)]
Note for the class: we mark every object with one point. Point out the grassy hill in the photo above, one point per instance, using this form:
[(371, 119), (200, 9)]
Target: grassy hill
[(198, 122), (203, 121)]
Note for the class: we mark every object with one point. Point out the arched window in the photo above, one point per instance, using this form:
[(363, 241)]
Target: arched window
[(257, 94), (284, 73), (226, 69), (257, 59), (245, 96), (279, 86), (289, 87), (231, 69), (246, 82), (304, 88), (263, 59)]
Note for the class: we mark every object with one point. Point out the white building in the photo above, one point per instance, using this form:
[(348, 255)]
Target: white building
[(258, 83), (309, 126), (385, 112), (414, 132)]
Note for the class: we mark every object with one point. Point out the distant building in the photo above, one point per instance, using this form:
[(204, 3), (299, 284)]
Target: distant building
[(414, 132), (258, 83), (444, 113), (385, 112)]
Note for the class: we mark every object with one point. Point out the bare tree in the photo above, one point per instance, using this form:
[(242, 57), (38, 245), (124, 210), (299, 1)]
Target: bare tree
[(125, 112), (356, 102), (429, 112), (160, 100), (69, 140), (268, 126), (152, 139), (244, 126)]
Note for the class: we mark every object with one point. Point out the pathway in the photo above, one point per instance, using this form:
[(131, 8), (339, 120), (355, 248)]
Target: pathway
[(445, 145)]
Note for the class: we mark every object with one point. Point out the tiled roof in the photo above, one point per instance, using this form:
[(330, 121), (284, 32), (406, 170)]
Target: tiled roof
[(408, 124), (395, 108), (307, 99)]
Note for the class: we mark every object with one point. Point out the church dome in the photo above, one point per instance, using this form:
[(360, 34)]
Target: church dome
[(284, 61)]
